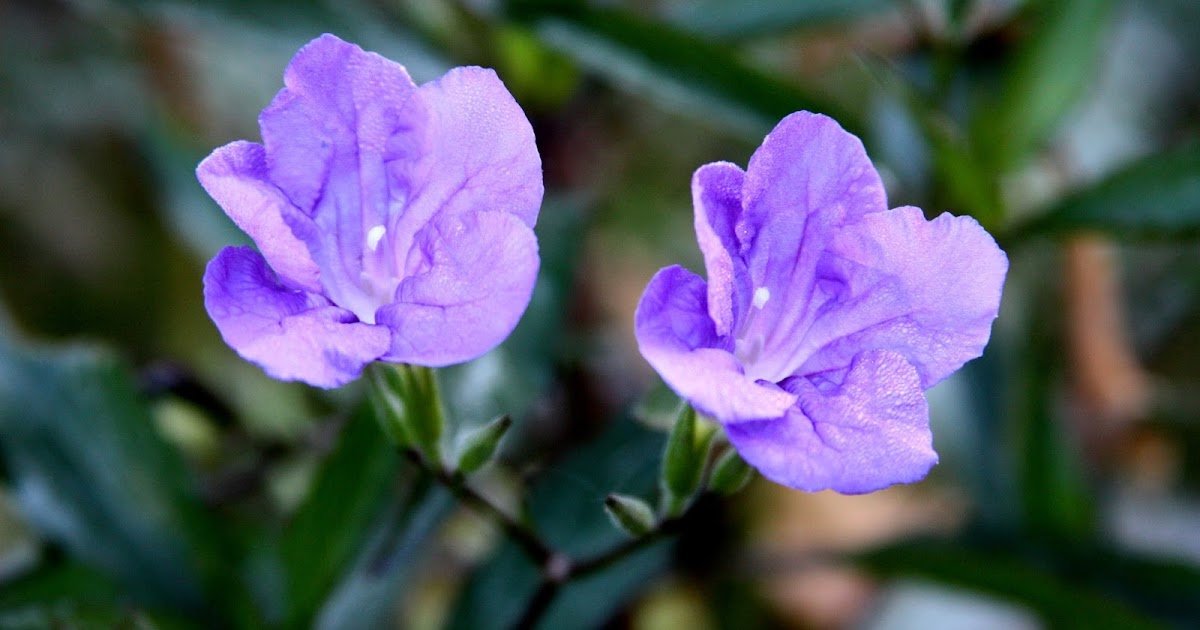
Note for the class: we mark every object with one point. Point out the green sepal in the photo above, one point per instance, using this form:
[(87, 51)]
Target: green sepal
[(630, 514), (479, 446), (684, 460), (409, 406), (730, 474)]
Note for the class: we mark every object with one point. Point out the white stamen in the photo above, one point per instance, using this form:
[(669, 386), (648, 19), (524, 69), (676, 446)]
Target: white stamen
[(375, 234), (761, 295)]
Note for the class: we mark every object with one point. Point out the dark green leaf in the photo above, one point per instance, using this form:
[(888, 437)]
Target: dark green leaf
[(1051, 69), (1060, 603), (673, 65), (736, 20), (92, 473), (350, 490), (1156, 197)]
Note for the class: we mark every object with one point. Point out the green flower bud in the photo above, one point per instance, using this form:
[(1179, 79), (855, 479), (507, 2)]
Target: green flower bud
[(730, 474), (480, 445), (684, 459), (630, 514), (409, 406)]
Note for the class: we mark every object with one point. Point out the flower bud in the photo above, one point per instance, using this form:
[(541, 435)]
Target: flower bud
[(684, 458), (730, 474), (409, 406), (630, 514), (479, 446)]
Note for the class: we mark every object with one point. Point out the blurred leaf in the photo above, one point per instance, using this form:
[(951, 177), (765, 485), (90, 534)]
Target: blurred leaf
[(1061, 604), (1054, 495), (77, 582), (968, 185), (1156, 197), (736, 20), (91, 472), (366, 597), (348, 493), (567, 505), (677, 67), (1054, 64)]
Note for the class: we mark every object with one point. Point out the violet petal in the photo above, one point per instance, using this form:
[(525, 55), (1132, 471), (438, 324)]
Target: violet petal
[(293, 335), (870, 432)]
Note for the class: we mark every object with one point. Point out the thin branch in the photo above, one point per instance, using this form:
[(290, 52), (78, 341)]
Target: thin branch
[(529, 542)]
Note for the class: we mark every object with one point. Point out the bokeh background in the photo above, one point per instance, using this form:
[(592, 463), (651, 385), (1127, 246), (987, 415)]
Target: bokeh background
[(151, 479)]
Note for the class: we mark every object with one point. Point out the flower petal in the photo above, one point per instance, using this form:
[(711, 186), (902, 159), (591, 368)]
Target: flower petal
[(337, 98), (807, 179), (471, 279), (235, 175), (717, 199), (466, 146), (677, 337), (928, 290), (868, 433), (326, 134), (293, 335)]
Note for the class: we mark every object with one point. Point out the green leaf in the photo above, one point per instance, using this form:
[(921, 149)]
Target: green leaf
[(1156, 197), (738, 20), (349, 492), (90, 471), (1054, 494), (1060, 603), (674, 66), (1051, 69)]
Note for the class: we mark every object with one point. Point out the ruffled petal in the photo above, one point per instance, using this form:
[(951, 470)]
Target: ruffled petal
[(867, 433), (473, 278), (293, 335), (717, 199), (326, 134), (677, 337), (235, 175), (928, 290), (809, 178), (465, 146), (337, 98)]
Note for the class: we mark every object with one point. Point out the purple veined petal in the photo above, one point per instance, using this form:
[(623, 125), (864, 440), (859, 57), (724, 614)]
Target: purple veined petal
[(326, 134), (235, 175), (870, 432), (293, 335), (474, 276), (336, 96), (466, 146), (717, 199), (807, 179), (677, 337), (928, 290)]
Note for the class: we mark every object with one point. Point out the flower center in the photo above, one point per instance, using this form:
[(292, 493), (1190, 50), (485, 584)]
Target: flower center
[(377, 279), (748, 343)]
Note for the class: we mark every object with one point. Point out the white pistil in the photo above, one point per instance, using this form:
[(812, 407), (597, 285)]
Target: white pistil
[(761, 295), (374, 235)]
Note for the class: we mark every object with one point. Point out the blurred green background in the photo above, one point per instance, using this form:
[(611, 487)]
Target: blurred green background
[(151, 479)]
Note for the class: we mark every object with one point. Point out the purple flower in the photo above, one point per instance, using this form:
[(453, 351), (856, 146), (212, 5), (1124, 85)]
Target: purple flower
[(825, 315), (393, 222)]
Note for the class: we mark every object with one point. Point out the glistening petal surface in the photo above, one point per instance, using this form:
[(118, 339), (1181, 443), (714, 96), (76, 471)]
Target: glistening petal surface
[(293, 335), (870, 432), (677, 337)]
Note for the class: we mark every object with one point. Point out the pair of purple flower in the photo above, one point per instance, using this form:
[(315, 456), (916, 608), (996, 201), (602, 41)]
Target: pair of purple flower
[(394, 223)]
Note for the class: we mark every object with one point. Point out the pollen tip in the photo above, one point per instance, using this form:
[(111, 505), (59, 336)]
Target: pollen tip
[(761, 295), (374, 235)]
